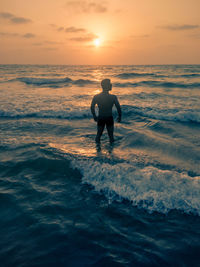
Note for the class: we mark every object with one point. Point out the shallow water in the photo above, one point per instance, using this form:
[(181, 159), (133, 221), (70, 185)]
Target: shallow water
[(66, 201)]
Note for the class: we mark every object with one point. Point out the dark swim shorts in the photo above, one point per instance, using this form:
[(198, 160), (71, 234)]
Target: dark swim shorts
[(108, 121)]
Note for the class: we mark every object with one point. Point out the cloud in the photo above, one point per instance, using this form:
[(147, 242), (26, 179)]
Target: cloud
[(52, 42), (70, 29), (87, 6), (53, 25), (176, 27), (37, 44), (29, 35), (46, 42), (14, 19), (6, 15), (50, 48), (74, 29), (140, 36), (195, 36), (14, 34), (20, 20), (87, 38), (59, 29), (9, 34)]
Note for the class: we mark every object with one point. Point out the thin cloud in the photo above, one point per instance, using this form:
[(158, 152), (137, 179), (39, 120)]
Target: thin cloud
[(74, 29), (46, 42), (52, 42), (59, 29), (6, 15), (87, 6), (176, 27), (9, 34), (70, 29), (15, 34), (20, 20), (50, 48), (140, 36), (14, 19), (37, 44), (29, 35), (53, 25), (87, 38), (195, 36)]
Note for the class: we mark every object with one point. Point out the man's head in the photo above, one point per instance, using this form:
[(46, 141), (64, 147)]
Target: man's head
[(106, 85)]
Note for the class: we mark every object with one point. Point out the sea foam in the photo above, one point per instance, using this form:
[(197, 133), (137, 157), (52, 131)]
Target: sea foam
[(150, 188)]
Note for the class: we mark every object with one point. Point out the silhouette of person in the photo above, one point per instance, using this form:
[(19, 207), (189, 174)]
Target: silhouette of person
[(105, 103)]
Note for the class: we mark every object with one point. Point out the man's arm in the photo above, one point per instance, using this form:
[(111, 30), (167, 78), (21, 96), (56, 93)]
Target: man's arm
[(93, 108), (118, 109)]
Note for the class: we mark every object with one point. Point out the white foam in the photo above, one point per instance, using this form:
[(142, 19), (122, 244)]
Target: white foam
[(150, 188)]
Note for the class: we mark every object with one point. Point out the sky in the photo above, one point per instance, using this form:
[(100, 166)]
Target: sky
[(100, 32)]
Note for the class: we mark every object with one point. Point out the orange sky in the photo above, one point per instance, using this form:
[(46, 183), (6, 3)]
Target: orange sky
[(129, 31)]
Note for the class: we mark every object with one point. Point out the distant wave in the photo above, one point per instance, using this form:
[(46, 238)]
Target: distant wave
[(57, 114), (127, 75), (60, 82), (192, 75), (150, 188), (52, 82), (129, 113), (158, 84)]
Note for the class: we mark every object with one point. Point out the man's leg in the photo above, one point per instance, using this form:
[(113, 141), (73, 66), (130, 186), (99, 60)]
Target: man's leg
[(110, 129), (100, 129)]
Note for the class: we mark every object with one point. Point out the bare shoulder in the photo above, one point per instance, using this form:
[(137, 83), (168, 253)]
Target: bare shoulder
[(96, 96), (114, 97)]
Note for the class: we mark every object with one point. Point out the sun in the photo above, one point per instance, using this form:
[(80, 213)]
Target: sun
[(97, 42)]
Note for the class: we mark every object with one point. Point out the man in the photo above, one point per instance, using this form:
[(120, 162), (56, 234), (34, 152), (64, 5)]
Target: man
[(105, 102)]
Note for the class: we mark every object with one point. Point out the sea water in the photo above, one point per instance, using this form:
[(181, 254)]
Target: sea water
[(67, 202)]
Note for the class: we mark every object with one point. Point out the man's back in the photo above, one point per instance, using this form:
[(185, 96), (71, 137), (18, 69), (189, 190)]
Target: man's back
[(105, 102)]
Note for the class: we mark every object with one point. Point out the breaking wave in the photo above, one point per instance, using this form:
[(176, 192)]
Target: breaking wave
[(129, 112), (158, 84), (175, 114), (61, 82), (53, 82), (150, 188), (127, 75)]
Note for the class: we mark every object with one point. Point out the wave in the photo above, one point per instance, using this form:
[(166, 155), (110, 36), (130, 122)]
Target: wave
[(127, 75), (60, 82), (159, 84), (188, 115), (60, 114), (129, 113), (192, 75), (52, 82), (147, 187), (150, 188)]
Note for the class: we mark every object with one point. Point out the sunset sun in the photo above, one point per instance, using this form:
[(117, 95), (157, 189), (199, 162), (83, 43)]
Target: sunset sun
[(97, 42)]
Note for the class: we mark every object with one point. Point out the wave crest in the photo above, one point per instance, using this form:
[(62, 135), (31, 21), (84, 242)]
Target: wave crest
[(159, 84), (187, 115), (149, 188), (52, 82)]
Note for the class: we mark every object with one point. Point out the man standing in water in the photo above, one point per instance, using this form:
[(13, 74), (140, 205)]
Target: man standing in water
[(105, 102)]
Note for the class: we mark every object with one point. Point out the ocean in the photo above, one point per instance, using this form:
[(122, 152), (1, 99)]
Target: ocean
[(66, 201)]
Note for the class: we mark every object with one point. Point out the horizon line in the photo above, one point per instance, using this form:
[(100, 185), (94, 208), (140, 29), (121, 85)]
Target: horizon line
[(49, 64)]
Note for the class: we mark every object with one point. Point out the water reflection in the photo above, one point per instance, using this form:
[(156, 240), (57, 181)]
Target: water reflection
[(107, 150)]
